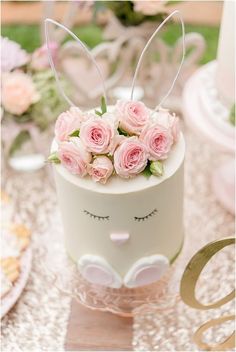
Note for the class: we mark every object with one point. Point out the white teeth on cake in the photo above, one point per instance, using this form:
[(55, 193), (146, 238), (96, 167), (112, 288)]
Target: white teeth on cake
[(119, 238), (97, 271), (146, 271)]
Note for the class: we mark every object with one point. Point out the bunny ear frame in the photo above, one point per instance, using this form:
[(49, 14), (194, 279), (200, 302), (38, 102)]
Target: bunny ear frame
[(87, 51), (176, 12)]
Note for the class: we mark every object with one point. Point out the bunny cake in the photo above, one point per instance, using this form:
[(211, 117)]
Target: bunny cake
[(119, 177)]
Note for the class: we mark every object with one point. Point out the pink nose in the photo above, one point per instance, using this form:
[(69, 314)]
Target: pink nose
[(119, 238)]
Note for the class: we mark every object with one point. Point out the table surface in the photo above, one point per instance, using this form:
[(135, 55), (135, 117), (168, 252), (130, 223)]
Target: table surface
[(41, 319)]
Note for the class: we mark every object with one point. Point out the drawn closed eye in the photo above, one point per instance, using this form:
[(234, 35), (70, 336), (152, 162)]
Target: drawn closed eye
[(143, 218), (97, 217)]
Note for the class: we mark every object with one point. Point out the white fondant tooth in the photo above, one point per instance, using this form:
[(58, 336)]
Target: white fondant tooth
[(146, 271), (119, 238), (96, 270)]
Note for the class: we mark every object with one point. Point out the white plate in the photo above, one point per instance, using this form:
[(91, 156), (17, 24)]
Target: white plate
[(13, 295)]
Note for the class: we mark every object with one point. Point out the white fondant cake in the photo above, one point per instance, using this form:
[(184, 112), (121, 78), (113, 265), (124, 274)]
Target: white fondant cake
[(119, 177), (128, 231)]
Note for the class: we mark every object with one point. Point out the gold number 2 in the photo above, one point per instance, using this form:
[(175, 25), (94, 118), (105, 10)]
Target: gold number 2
[(188, 286)]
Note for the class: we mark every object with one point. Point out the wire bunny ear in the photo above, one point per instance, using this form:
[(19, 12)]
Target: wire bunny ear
[(47, 21), (176, 12)]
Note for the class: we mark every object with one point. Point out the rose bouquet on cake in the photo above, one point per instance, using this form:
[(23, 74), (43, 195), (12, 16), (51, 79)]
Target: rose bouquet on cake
[(126, 140), (30, 100)]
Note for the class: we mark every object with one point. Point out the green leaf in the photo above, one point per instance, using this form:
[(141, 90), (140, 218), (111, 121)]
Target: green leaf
[(232, 116), (103, 105), (146, 172), (75, 133), (98, 113), (19, 140), (122, 132), (53, 158)]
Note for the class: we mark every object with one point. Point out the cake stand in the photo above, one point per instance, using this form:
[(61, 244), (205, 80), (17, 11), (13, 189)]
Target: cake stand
[(206, 115), (122, 301)]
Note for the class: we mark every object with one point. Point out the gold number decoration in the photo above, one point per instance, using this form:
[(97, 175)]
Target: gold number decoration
[(188, 287), (227, 344)]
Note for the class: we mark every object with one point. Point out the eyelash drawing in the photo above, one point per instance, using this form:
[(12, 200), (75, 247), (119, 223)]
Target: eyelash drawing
[(136, 218), (97, 217)]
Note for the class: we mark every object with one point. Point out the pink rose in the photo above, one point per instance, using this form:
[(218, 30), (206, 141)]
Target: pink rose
[(18, 92), (133, 116), (101, 169), (74, 157), (39, 60), (68, 122), (169, 121), (175, 127), (158, 141), (97, 134), (130, 158)]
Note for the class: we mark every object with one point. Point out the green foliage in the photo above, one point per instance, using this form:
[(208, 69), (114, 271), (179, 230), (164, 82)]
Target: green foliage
[(210, 33), (146, 172), (53, 158), (17, 143), (103, 107), (28, 36), (232, 116), (51, 103), (125, 13), (75, 133), (122, 132)]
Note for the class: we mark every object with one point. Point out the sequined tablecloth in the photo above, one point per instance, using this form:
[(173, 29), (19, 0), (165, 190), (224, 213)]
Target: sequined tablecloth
[(39, 319)]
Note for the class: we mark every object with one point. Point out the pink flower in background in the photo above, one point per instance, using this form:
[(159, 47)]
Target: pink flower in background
[(39, 59), (149, 8), (133, 116), (18, 92), (130, 158), (68, 122), (101, 169), (12, 55), (158, 140), (74, 157), (97, 134)]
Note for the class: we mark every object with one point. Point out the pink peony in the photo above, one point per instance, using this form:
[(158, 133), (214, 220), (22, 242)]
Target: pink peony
[(130, 158), (18, 92), (68, 122), (74, 157), (39, 60), (97, 134), (158, 141), (101, 169), (149, 8), (133, 116)]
